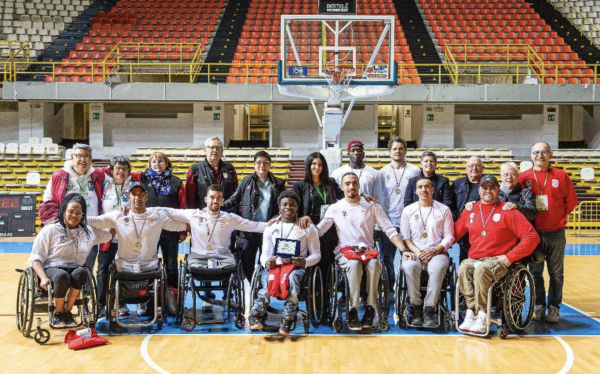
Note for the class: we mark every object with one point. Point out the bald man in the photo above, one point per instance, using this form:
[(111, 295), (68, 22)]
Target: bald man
[(464, 190), (555, 199)]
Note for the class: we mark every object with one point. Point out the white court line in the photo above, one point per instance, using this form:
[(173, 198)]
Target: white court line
[(147, 358), (582, 312), (570, 356)]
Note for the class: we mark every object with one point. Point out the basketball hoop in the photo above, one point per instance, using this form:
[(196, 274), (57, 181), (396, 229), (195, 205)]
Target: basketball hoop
[(338, 78)]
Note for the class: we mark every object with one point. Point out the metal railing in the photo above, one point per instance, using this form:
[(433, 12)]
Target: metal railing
[(586, 219), (12, 51), (573, 15)]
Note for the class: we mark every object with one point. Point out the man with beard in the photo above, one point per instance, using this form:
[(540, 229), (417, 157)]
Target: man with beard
[(367, 176)]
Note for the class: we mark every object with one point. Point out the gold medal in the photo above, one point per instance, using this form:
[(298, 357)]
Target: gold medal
[(398, 191), (208, 247), (483, 233), (424, 235), (138, 245)]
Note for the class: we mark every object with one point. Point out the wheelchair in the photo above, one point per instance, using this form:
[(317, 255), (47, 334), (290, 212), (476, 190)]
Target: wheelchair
[(338, 288), (311, 293), (511, 299), (33, 299), (197, 280), (445, 306), (135, 288)]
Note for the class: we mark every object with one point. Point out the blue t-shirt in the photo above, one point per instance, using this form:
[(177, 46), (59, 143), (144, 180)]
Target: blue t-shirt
[(264, 190)]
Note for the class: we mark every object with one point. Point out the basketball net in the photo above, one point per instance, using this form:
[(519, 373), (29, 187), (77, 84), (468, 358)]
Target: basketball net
[(339, 79)]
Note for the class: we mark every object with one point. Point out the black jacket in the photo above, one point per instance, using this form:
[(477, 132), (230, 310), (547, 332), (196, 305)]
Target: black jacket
[(441, 190), (524, 199), (306, 192), (247, 194), (460, 193), (200, 176), (172, 200)]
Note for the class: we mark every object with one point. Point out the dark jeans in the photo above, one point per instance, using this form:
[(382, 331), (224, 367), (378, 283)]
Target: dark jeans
[(388, 254), (169, 246), (250, 246), (552, 250), (64, 278), (104, 261)]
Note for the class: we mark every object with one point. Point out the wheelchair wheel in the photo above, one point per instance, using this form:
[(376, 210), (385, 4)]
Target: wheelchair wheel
[(41, 336), (315, 297), (383, 298), (111, 308), (238, 296), (25, 301), (90, 300), (255, 285), (332, 291), (519, 298), (401, 295), (181, 290)]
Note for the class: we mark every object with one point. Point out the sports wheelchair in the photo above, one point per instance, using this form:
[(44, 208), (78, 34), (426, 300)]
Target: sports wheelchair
[(338, 289), (197, 280), (311, 293), (32, 299), (445, 305), (135, 288), (511, 299)]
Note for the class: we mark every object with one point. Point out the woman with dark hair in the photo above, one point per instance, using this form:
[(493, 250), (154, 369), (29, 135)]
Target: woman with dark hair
[(165, 190), (59, 254), (317, 191)]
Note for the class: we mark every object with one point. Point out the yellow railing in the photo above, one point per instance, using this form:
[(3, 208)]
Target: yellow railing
[(17, 52), (586, 218), (594, 30)]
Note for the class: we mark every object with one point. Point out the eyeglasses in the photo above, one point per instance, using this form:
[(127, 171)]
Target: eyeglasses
[(81, 157), (119, 168), (77, 213), (543, 153), (265, 163), (214, 148)]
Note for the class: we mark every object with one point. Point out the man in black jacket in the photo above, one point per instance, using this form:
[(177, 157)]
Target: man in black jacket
[(258, 195), (211, 170), (441, 185), (464, 190)]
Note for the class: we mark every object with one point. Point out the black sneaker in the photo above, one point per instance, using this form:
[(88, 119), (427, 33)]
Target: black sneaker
[(69, 320), (429, 317), (417, 315), (286, 327), (256, 321), (353, 322), (367, 320), (58, 320)]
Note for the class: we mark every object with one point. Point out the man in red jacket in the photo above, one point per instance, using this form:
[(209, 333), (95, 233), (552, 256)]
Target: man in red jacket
[(498, 238), (555, 199)]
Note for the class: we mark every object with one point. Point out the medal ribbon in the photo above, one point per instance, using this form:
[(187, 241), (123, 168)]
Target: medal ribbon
[(538, 183), (488, 219)]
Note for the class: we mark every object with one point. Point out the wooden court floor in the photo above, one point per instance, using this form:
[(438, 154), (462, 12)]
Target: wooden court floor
[(311, 354)]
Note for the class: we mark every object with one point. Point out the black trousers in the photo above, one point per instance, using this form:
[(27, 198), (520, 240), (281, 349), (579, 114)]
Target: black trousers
[(63, 278), (169, 246)]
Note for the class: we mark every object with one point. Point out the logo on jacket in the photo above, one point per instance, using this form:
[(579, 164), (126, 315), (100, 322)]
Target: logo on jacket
[(364, 212), (344, 214), (528, 182), (555, 183), (387, 177), (126, 221), (471, 217), (496, 217), (200, 220)]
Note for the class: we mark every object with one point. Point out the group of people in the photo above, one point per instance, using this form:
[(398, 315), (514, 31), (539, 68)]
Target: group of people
[(321, 221)]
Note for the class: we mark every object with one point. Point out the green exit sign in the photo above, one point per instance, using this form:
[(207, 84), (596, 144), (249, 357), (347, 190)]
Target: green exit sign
[(551, 117), (430, 117), (217, 116), (96, 115)]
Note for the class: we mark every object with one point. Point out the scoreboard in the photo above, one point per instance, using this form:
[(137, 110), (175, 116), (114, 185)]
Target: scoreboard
[(17, 215)]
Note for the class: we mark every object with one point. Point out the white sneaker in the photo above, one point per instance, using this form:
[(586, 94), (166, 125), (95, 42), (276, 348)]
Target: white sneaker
[(480, 325), (468, 322), (207, 307), (123, 311), (141, 308)]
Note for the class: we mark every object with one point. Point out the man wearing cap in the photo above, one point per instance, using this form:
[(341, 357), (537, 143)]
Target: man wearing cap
[(555, 199), (367, 176), (138, 230), (498, 238), (212, 170)]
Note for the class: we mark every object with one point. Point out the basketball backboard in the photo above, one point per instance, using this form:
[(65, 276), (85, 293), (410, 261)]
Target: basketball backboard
[(313, 44)]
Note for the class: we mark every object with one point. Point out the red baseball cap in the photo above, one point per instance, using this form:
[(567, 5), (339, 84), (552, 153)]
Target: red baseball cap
[(355, 143)]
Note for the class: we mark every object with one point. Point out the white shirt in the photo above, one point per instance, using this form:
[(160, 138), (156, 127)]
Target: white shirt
[(439, 222), (114, 195), (310, 248), (81, 184), (367, 177), (202, 225), (55, 245), (128, 254), (354, 222), (391, 179)]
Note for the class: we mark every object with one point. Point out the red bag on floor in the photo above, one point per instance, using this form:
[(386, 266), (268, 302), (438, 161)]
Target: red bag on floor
[(76, 342)]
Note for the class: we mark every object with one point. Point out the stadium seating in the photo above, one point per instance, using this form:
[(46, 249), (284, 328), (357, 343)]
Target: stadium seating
[(38, 22), (260, 40), (575, 9), (504, 22)]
